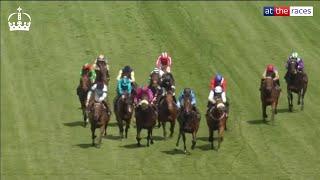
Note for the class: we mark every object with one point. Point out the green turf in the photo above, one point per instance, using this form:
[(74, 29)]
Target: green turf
[(41, 134)]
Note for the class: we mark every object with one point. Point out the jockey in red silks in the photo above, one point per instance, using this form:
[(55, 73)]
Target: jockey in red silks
[(164, 62), (144, 91), (218, 80)]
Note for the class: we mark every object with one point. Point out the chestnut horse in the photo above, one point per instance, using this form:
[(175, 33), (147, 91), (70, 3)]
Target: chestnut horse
[(99, 118), (102, 74), (82, 91), (217, 121), (269, 97), (188, 122), (297, 82), (123, 110), (167, 112), (146, 118)]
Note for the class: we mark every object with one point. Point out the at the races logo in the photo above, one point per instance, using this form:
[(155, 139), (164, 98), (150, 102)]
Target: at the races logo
[(19, 21), (288, 11)]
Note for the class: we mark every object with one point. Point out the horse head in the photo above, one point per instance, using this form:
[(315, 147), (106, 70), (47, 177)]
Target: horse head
[(85, 82), (154, 79), (187, 106), (144, 104), (126, 102), (268, 84), (292, 67)]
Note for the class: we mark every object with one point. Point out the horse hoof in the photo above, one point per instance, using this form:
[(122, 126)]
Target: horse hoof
[(151, 142)]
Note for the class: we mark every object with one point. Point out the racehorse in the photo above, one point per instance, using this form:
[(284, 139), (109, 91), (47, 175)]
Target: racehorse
[(99, 118), (167, 112), (269, 97), (102, 74), (123, 110), (297, 82), (217, 121), (146, 118), (154, 83), (188, 122), (82, 91)]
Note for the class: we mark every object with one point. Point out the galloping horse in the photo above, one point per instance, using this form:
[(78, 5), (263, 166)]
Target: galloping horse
[(297, 82), (82, 91), (123, 110), (146, 118), (217, 120), (167, 112), (269, 97), (189, 123), (99, 118)]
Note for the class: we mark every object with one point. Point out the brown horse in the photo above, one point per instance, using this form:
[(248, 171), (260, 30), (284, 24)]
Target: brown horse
[(217, 121), (123, 110), (188, 122), (269, 97), (297, 82), (146, 118), (98, 119), (167, 112), (82, 91), (102, 73)]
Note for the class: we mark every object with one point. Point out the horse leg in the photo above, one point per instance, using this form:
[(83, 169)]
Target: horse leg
[(264, 113), (194, 140), (184, 142), (148, 137), (172, 125), (120, 124), (151, 138), (85, 117), (138, 136), (179, 136), (93, 128), (127, 128), (211, 138), (220, 138), (164, 130), (289, 100), (101, 134)]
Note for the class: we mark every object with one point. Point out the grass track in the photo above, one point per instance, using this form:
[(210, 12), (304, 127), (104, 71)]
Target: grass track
[(40, 134)]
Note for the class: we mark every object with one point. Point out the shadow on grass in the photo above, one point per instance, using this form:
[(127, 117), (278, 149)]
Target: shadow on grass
[(173, 152), (133, 146), (74, 124), (257, 122), (84, 146), (111, 137), (205, 147)]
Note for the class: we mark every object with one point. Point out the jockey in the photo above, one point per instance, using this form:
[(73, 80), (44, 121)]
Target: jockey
[(295, 57), (126, 71), (189, 93), (168, 83), (100, 60), (99, 90), (218, 80), (216, 93), (144, 91), (88, 68), (154, 89), (124, 84), (164, 62), (271, 71)]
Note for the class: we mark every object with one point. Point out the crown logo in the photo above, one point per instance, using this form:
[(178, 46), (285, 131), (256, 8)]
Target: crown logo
[(19, 25)]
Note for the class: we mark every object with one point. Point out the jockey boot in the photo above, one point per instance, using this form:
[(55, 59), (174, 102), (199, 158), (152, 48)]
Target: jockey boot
[(107, 107), (174, 99), (261, 84), (227, 109)]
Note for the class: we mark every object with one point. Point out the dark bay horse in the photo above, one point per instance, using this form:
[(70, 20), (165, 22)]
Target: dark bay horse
[(123, 110), (98, 119), (269, 97), (82, 91), (188, 122), (146, 118), (217, 121), (167, 112), (297, 82)]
